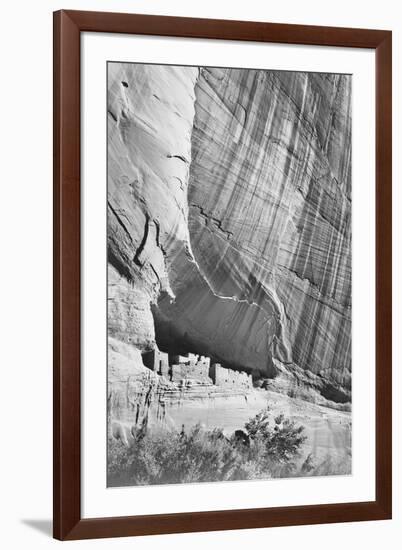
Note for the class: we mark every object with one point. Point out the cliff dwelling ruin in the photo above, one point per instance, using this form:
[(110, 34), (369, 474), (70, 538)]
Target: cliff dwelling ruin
[(198, 368)]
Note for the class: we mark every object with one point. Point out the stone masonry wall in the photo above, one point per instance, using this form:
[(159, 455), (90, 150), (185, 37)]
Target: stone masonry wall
[(230, 378), (199, 371)]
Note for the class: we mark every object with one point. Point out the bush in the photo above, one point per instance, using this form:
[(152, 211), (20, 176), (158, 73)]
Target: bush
[(265, 449), (281, 441)]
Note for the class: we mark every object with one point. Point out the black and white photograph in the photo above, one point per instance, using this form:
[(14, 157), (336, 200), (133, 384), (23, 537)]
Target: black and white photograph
[(229, 235)]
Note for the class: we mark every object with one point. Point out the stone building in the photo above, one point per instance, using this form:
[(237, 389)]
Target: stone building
[(198, 371), (157, 361), (230, 378), (198, 368), (189, 359)]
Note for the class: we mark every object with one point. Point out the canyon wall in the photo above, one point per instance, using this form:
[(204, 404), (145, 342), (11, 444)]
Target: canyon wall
[(150, 120), (229, 234)]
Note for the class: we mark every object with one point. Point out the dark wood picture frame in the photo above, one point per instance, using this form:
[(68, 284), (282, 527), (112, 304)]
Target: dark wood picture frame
[(68, 26)]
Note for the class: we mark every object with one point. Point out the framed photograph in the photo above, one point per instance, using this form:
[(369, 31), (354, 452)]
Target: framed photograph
[(222, 274)]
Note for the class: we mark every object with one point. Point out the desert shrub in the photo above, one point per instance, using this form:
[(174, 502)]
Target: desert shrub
[(157, 458), (265, 449), (276, 442)]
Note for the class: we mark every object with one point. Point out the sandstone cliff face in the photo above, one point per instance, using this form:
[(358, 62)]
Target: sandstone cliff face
[(150, 118), (229, 219)]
